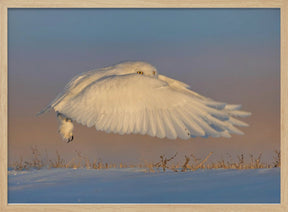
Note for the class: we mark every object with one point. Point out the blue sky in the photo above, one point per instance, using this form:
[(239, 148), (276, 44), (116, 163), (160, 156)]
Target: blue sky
[(230, 55), (100, 27)]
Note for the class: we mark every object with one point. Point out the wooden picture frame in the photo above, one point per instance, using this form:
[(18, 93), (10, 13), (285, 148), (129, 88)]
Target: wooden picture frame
[(6, 4)]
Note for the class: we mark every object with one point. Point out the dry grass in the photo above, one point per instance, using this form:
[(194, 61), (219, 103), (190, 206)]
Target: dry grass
[(190, 163)]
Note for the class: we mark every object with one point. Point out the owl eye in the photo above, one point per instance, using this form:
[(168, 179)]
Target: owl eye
[(154, 72), (140, 72)]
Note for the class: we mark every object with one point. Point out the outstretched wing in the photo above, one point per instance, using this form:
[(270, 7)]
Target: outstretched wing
[(76, 84), (138, 104)]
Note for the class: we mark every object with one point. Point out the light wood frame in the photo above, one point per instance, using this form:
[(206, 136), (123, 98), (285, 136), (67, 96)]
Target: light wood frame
[(6, 4)]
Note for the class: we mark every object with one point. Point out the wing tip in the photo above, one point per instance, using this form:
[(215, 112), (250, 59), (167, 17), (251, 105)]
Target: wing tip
[(44, 110)]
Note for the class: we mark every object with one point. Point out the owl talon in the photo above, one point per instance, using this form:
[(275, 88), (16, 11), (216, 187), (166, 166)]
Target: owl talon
[(70, 139), (65, 127)]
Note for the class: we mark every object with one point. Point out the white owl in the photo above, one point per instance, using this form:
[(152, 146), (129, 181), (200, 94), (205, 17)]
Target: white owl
[(131, 97)]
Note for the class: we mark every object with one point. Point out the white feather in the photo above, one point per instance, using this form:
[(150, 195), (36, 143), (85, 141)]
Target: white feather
[(117, 99)]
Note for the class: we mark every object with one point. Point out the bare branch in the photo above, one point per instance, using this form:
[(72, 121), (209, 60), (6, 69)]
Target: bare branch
[(200, 164)]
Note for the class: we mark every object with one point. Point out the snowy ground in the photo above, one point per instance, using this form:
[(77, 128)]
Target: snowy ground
[(137, 186)]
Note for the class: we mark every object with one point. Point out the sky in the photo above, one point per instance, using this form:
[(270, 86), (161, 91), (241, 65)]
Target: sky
[(230, 55)]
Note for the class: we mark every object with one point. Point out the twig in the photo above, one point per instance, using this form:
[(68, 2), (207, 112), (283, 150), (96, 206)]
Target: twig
[(203, 161)]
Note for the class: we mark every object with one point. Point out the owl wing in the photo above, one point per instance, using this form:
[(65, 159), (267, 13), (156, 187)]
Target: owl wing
[(76, 84), (135, 103)]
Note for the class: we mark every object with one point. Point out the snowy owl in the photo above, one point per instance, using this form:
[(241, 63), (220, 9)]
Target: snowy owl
[(131, 97)]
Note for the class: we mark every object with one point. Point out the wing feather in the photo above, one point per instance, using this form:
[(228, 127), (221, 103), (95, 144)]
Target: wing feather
[(139, 104), (193, 128), (152, 124), (169, 126), (144, 122)]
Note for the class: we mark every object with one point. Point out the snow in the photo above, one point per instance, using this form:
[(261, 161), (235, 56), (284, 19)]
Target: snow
[(134, 185)]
